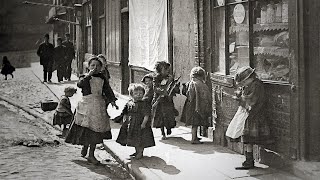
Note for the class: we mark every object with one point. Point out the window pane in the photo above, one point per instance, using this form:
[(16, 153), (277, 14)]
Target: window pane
[(271, 39), (219, 59), (239, 36)]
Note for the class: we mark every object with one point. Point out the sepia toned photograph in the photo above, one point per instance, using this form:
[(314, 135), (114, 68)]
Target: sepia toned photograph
[(159, 89)]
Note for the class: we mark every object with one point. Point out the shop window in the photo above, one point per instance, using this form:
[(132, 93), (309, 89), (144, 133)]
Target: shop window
[(252, 33)]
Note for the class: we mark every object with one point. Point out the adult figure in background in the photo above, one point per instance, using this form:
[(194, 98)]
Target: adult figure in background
[(45, 52), (70, 54), (60, 59)]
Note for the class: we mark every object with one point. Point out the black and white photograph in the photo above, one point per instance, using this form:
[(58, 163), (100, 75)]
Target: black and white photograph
[(160, 89)]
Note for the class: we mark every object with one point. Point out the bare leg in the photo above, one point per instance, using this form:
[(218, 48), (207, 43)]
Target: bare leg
[(5, 77), (91, 157), (163, 134), (139, 153), (195, 139)]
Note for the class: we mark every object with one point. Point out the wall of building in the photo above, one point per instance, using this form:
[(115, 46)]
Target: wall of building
[(22, 23), (312, 63), (183, 42)]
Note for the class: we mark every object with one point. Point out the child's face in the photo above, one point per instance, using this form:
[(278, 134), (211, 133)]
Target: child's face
[(247, 82), (69, 94), (95, 66), (137, 95), (165, 71), (148, 82)]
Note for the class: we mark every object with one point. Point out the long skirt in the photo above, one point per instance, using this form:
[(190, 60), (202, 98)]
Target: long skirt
[(60, 118)]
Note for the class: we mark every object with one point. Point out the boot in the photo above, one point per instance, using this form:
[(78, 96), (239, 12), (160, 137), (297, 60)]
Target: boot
[(248, 163)]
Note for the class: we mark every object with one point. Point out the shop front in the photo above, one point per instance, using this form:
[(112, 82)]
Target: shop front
[(262, 34)]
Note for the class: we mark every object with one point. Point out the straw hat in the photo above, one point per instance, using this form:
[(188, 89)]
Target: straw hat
[(243, 73)]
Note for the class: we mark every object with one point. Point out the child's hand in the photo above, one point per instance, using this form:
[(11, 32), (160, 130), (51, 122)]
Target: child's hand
[(114, 105), (143, 125)]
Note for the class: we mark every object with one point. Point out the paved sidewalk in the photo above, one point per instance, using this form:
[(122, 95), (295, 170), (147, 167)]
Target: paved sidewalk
[(176, 158)]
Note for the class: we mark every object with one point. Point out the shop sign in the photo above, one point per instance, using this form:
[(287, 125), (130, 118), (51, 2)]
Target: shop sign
[(220, 2), (239, 13)]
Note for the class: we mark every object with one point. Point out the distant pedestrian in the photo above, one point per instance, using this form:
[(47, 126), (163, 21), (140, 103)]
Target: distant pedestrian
[(60, 59), (70, 54), (250, 117), (45, 52), (163, 108), (147, 80), (104, 69), (136, 130), (63, 115), (91, 123), (197, 108), (7, 68)]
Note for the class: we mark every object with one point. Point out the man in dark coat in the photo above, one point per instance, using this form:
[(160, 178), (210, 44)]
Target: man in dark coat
[(70, 54), (45, 52), (60, 59)]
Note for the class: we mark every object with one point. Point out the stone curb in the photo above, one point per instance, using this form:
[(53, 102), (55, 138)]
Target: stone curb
[(28, 110)]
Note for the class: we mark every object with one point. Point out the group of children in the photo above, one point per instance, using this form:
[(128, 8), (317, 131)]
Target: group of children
[(152, 105)]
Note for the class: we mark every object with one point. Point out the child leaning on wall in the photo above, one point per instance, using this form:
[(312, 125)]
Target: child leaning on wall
[(197, 108), (255, 129)]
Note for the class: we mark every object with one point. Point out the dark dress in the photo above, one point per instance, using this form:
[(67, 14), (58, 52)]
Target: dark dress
[(63, 114), (164, 111), (131, 133), (91, 123), (70, 54), (7, 68), (256, 129), (197, 108), (60, 62)]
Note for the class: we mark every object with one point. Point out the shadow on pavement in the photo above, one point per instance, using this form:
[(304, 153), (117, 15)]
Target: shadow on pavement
[(99, 169), (205, 148), (153, 162)]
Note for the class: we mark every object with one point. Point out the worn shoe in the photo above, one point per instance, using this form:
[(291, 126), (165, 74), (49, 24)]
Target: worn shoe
[(169, 131), (196, 142), (246, 165), (84, 152), (132, 155), (93, 160)]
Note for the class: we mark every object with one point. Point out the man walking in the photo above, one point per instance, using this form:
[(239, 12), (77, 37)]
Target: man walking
[(45, 52), (70, 54), (60, 59)]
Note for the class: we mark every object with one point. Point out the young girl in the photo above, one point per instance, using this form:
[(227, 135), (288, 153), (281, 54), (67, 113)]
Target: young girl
[(104, 69), (63, 114), (163, 108), (137, 122), (251, 97), (91, 123), (7, 68), (197, 108), (147, 80)]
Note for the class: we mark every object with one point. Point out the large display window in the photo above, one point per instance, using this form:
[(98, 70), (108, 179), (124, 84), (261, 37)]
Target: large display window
[(251, 33)]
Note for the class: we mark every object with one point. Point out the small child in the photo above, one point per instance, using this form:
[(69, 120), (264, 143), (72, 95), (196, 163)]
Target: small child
[(63, 115), (136, 130), (7, 68), (91, 123), (163, 109), (197, 108), (147, 80), (251, 96)]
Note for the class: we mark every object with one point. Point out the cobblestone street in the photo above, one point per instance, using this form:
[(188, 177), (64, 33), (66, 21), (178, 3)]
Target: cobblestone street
[(31, 149)]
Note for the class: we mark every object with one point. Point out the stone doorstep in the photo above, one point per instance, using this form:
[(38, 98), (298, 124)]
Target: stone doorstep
[(306, 170)]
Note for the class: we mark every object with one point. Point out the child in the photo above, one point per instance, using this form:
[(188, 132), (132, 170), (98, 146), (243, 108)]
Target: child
[(137, 122), (91, 123), (63, 114), (163, 108), (104, 69), (197, 108), (7, 68), (251, 97), (147, 80)]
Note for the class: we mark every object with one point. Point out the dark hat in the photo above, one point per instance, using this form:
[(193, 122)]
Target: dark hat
[(149, 75), (67, 34), (243, 73)]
